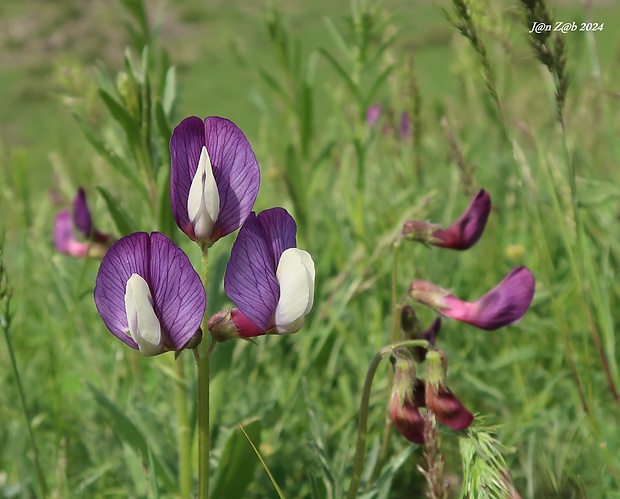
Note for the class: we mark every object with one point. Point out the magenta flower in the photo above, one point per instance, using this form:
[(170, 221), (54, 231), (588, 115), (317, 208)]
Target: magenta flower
[(505, 304), (269, 280), (214, 180), (149, 295), (438, 398), (461, 235), (64, 235), (372, 114), (403, 409)]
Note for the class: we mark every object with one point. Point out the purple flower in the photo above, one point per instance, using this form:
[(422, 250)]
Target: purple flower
[(438, 398), (214, 180), (505, 304), (461, 235), (405, 126), (372, 114), (269, 280), (64, 234), (403, 409), (148, 294)]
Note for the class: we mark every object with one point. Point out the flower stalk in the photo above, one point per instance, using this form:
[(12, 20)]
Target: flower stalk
[(202, 354), (362, 432)]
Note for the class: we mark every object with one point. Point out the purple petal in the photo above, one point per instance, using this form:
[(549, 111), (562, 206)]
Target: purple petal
[(186, 143), (178, 295), (447, 408), (407, 419), (468, 229), (508, 302), (64, 238), (81, 214), (129, 255), (505, 304), (250, 280), (236, 173), (280, 230)]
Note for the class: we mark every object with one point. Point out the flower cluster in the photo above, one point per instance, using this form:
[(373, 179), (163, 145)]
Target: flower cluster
[(505, 304), (147, 292)]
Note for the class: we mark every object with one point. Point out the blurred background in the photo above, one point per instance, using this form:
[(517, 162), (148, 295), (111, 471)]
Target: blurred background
[(284, 72)]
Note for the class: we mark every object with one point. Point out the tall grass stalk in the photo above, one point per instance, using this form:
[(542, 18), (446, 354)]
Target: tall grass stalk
[(5, 324)]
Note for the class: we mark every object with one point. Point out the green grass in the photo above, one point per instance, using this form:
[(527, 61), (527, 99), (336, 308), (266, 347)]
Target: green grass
[(305, 388)]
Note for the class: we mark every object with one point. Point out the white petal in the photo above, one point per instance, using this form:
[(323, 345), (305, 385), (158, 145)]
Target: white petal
[(144, 325), (203, 202), (295, 275)]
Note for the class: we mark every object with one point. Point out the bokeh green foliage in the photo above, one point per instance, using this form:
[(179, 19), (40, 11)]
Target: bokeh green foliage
[(350, 186)]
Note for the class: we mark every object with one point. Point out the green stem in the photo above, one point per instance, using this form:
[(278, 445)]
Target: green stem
[(4, 319), (202, 354), (362, 431), (184, 438), (394, 337)]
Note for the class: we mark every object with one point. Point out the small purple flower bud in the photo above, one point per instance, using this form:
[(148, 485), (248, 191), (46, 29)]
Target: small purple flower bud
[(461, 235), (410, 325), (269, 280), (64, 238), (405, 126), (505, 304), (214, 180), (149, 295), (64, 235), (439, 399), (403, 411), (372, 114)]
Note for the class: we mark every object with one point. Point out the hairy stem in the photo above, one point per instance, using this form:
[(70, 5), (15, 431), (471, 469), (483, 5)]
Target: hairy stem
[(362, 431)]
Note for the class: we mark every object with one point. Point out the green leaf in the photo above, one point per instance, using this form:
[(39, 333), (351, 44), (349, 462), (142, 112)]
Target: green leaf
[(377, 85), (124, 224), (110, 156), (342, 72), (169, 92), (129, 434), (277, 88), (123, 117), (236, 467)]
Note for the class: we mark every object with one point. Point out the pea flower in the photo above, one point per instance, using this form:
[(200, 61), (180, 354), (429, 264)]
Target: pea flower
[(438, 398), (410, 393), (403, 409), (148, 294), (64, 235), (461, 235), (214, 178), (268, 278), (505, 304)]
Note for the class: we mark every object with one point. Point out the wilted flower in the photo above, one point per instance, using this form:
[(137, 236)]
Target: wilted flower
[(439, 399), (149, 295), (403, 409), (410, 325), (214, 179), (505, 304), (461, 235), (269, 280), (64, 234)]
